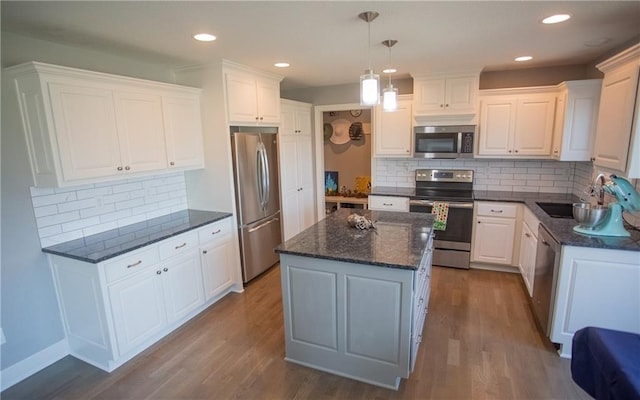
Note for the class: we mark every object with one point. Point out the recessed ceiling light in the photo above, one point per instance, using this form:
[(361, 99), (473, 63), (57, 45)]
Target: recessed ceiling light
[(523, 58), (204, 37), (281, 64), (389, 71), (554, 19)]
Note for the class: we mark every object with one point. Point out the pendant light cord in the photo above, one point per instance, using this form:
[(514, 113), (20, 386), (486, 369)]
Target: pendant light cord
[(369, 37)]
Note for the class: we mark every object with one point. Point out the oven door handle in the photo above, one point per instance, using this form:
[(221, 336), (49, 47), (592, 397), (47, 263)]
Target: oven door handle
[(430, 203)]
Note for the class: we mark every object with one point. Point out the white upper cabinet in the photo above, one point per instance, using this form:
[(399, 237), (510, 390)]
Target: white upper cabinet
[(576, 119), (85, 127), (447, 96), (516, 122), (252, 97), (393, 130), (617, 112), (183, 130)]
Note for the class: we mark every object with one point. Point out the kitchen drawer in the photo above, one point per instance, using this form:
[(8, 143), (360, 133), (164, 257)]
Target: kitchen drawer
[(131, 263), (214, 231), (491, 209), (531, 220), (178, 245), (388, 203)]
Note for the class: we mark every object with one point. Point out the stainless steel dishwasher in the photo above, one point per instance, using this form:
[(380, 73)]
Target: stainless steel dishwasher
[(544, 281)]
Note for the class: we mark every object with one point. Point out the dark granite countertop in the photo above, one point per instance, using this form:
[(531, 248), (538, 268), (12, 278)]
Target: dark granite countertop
[(112, 243), (398, 241), (561, 228), (393, 191)]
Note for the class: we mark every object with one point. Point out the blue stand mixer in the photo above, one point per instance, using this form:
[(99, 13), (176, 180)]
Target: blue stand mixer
[(627, 198)]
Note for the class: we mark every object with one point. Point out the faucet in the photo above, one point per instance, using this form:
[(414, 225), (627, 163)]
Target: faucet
[(600, 192)]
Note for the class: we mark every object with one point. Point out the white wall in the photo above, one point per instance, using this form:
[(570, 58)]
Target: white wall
[(29, 311)]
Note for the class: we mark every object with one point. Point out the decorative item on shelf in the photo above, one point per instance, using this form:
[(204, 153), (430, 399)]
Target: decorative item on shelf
[(331, 183), (355, 113), (369, 82), (340, 131), (363, 184), (355, 131), (360, 222), (389, 94)]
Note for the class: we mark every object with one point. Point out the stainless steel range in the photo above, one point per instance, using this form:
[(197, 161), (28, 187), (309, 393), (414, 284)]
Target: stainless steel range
[(452, 246)]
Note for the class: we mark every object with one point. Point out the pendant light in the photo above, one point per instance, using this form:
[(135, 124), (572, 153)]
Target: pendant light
[(369, 82), (390, 94)]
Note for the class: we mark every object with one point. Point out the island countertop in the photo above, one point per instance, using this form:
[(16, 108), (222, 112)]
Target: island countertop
[(398, 241)]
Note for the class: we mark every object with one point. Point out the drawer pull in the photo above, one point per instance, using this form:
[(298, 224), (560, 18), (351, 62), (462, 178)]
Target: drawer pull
[(165, 269), (387, 204), (134, 264), (215, 232), (496, 211), (204, 252), (181, 246), (421, 300)]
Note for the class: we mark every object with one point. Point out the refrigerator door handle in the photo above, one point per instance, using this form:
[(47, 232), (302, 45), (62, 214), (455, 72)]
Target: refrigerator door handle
[(267, 180), (259, 176), (263, 225)]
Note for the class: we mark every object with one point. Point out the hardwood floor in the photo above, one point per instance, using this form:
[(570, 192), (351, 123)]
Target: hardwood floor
[(480, 342)]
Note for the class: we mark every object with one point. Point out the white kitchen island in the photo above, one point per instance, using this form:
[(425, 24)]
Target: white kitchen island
[(355, 301)]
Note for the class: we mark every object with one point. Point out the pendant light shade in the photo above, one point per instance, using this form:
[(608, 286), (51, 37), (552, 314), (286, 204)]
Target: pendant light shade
[(369, 81), (369, 88), (390, 94)]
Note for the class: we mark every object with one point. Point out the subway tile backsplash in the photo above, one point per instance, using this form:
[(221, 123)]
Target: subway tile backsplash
[(70, 213), (539, 176)]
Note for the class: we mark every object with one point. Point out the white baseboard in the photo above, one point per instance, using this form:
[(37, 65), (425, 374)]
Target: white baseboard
[(32, 364), (494, 267)]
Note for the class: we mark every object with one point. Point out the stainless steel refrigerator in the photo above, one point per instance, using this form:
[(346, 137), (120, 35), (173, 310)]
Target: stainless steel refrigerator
[(255, 171)]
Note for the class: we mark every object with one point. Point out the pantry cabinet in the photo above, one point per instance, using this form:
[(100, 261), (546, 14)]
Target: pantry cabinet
[(86, 127), (252, 98), (393, 130), (494, 232), (517, 123), (617, 112), (296, 168), (576, 119), (445, 94), (116, 308)]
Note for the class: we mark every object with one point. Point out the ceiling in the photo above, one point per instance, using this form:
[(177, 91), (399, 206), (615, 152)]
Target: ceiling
[(325, 42)]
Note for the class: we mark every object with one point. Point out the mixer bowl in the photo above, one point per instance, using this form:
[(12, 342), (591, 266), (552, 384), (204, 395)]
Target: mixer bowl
[(588, 215)]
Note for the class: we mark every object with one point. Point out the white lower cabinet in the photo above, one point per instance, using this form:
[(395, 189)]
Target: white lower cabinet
[(528, 246), (216, 257), (115, 309), (494, 232), (595, 287), (388, 203)]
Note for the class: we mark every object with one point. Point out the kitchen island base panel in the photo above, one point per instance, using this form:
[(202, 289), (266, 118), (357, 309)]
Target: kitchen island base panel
[(353, 320)]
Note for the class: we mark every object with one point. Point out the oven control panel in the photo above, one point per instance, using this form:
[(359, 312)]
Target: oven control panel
[(444, 175)]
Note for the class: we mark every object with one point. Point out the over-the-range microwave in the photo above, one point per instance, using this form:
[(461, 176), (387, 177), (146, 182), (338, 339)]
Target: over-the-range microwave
[(452, 141)]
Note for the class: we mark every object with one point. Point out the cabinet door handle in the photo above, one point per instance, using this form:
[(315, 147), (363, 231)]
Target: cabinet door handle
[(119, 168), (158, 272), (446, 105), (527, 235), (216, 232), (165, 269), (478, 221), (260, 118), (516, 151), (204, 252), (257, 118), (134, 264), (441, 105), (496, 211), (172, 163), (181, 246), (127, 168)]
